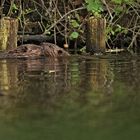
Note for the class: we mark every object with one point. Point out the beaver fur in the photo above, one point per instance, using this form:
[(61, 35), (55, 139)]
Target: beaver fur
[(36, 51)]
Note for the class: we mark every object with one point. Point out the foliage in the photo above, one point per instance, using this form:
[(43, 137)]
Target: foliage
[(67, 18), (74, 35), (94, 6), (74, 23), (122, 1)]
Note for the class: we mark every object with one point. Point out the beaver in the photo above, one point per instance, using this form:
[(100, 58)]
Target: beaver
[(35, 51)]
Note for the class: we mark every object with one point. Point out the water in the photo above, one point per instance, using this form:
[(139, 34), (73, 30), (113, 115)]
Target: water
[(70, 99)]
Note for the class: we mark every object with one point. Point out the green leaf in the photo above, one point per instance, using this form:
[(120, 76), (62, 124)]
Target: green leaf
[(118, 28), (77, 17), (125, 31), (118, 10), (122, 1), (74, 35), (112, 32), (94, 6), (74, 23), (117, 1), (14, 7)]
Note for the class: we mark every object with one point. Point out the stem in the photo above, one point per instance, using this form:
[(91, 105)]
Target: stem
[(54, 24)]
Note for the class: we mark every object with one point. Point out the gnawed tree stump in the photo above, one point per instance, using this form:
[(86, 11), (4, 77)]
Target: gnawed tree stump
[(8, 33), (36, 51), (95, 35)]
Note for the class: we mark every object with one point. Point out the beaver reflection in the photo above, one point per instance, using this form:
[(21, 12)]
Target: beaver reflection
[(45, 77), (1, 94), (41, 67)]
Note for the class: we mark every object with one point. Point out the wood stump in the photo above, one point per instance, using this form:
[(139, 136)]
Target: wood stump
[(95, 35), (8, 33)]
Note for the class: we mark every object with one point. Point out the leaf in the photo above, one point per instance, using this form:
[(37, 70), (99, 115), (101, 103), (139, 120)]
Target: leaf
[(118, 28), (74, 23), (14, 7), (74, 35), (117, 1), (125, 31), (112, 32), (94, 6), (118, 10), (77, 17)]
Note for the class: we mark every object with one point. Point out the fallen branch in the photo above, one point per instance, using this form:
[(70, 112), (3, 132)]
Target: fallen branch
[(114, 50), (34, 38)]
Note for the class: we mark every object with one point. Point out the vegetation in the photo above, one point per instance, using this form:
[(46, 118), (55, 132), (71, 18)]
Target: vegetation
[(66, 19)]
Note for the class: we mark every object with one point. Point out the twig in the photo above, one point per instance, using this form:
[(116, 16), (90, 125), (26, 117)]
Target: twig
[(54, 24)]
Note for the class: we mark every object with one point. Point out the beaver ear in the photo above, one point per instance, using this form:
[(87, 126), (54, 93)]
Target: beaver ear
[(25, 49)]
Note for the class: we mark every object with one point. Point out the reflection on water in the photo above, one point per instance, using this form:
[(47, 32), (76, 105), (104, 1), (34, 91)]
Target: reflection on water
[(70, 99)]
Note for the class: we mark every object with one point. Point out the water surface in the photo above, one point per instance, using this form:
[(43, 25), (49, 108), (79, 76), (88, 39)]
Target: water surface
[(70, 99)]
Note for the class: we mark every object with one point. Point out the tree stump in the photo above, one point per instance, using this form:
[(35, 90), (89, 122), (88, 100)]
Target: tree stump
[(8, 33), (95, 35)]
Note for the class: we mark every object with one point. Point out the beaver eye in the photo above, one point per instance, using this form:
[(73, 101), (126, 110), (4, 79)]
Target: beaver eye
[(60, 52)]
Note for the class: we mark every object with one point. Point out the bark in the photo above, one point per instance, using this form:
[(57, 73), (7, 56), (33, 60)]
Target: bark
[(95, 35), (8, 33)]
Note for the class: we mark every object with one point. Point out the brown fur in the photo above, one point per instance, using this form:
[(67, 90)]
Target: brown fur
[(32, 50)]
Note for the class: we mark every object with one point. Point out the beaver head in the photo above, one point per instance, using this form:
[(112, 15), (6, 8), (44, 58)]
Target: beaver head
[(54, 50)]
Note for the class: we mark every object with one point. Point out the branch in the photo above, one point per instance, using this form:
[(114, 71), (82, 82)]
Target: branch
[(54, 24)]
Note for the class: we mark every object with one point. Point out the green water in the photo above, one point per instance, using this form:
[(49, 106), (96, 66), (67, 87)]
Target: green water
[(70, 99)]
